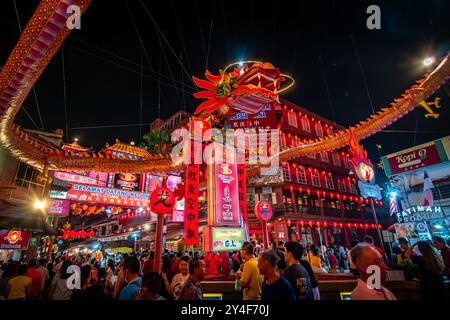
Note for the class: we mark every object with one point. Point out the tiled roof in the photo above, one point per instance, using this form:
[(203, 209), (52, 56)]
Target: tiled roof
[(129, 149), (74, 147)]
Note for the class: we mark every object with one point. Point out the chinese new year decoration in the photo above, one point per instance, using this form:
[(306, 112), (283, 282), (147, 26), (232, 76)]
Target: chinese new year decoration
[(361, 165), (162, 201), (72, 234), (13, 236)]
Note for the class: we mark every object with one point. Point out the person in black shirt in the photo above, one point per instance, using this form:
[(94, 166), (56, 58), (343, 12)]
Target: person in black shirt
[(295, 273), (274, 287)]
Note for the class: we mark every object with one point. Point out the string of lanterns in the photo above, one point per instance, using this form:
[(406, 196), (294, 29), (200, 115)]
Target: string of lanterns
[(332, 195), (332, 224)]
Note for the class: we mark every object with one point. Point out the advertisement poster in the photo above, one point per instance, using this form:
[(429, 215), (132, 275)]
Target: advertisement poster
[(264, 119), (225, 190), (424, 155), (58, 208), (83, 193), (127, 181), (227, 239), (281, 231), (14, 240)]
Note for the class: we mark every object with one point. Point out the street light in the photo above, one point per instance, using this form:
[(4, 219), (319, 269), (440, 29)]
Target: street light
[(39, 204), (428, 61)]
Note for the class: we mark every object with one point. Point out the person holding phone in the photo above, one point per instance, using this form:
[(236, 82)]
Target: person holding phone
[(431, 268)]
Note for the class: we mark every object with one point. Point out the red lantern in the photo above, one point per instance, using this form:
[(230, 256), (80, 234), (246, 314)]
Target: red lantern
[(85, 207), (162, 201), (325, 224), (366, 225), (73, 206), (380, 226), (289, 222), (263, 211)]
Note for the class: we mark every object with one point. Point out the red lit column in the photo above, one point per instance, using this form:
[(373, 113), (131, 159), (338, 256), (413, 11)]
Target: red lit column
[(294, 200), (320, 204), (345, 232)]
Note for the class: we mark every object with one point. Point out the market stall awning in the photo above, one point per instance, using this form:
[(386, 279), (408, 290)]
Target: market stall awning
[(120, 250), (115, 237)]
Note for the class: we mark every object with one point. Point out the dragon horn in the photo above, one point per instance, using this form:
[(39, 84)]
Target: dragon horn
[(204, 84), (205, 105), (205, 95), (213, 78)]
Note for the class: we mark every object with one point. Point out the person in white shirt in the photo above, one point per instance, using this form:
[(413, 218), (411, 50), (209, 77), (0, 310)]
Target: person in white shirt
[(179, 279), (45, 276), (364, 256)]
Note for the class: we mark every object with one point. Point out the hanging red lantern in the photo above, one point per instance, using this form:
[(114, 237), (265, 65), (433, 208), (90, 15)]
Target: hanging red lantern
[(73, 206), (85, 207), (162, 201), (366, 225), (318, 223), (289, 222), (335, 224), (302, 223), (380, 226), (325, 224), (361, 225)]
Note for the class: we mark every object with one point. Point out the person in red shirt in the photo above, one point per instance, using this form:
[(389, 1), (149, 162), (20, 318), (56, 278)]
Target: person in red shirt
[(225, 262), (149, 264), (212, 264), (36, 279), (175, 264), (439, 243), (369, 240)]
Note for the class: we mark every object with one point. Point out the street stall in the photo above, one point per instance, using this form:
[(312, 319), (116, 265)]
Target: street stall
[(422, 223)]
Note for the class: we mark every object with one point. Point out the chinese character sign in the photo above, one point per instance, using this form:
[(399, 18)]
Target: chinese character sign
[(162, 201), (242, 191), (226, 194), (191, 235), (281, 231)]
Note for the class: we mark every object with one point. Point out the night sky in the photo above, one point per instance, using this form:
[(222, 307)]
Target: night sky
[(310, 40)]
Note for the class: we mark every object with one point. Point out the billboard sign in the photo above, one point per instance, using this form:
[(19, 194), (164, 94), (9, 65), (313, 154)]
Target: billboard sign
[(14, 239), (106, 196)]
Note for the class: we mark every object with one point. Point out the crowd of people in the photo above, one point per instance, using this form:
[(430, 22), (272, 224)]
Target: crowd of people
[(289, 271)]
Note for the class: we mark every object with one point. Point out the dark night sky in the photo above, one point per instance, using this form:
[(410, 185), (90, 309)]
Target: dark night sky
[(310, 40)]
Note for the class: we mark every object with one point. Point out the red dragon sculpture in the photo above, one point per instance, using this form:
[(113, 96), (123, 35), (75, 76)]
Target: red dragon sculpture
[(244, 89)]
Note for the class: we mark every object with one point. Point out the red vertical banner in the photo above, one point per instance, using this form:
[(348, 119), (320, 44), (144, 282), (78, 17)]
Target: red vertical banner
[(281, 231), (242, 191), (191, 235)]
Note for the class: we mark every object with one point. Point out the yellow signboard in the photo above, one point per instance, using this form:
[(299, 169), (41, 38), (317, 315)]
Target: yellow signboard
[(227, 239)]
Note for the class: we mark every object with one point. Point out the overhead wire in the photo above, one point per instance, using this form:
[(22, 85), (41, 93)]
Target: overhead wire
[(209, 36), (183, 45), (126, 60), (127, 68), (165, 39), (200, 28), (141, 96), (362, 74), (33, 88), (225, 30), (65, 92)]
